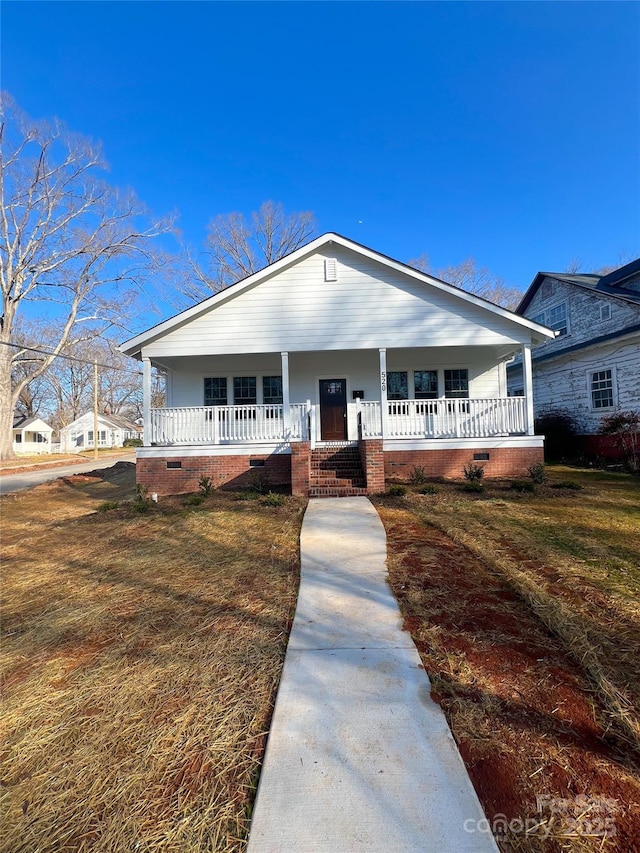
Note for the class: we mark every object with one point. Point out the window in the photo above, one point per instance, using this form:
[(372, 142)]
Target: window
[(539, 318), (602, 389), (90, 437), (102, 437), (605, 312), (215, 391), (426, 384), (558, 319), (272, 390), (244, 391), (456, 383), (18, 438), (398, 385)]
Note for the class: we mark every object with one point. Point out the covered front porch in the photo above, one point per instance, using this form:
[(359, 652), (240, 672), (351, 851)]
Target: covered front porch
[(274, 399)]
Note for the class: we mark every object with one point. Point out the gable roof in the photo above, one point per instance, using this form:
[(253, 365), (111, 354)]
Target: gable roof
[(115, 421), (609, 285), (134, 345), (23, 422)]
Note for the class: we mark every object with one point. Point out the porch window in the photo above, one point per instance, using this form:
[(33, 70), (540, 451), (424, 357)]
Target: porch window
[(272, 390), (215, 391), (18, 438), (398, 385), (456, 383), (602, 389), (426, 384), (244, 391)]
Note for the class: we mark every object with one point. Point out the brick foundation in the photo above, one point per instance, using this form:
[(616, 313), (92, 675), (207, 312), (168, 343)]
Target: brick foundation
[(233, 472), (372, 458), (300, 471), (449, 462)]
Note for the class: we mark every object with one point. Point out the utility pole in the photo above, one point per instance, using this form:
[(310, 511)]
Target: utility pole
[(95, 408)]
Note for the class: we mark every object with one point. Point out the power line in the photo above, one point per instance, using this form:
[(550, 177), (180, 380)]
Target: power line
[(71, 358)]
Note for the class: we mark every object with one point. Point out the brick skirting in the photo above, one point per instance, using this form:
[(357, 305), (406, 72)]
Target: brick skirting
[(232, 472), (280, 469), (449, 462)]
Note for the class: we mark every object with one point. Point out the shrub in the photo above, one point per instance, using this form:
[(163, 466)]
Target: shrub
[(417, 476), (141, 502), (258, 482), (205, 485), (107, 505), (473, 471), (523, 486), (537, 473), (625, 427), (194, 500), (246, 495), (559, 429), (473, 486), (429, 489), (396, 491), (274, 499), (132, 442)]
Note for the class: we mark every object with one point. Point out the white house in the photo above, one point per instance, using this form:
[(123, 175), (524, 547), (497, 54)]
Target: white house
[(330, 368), (592, 367), (113, 431), (31, 435)]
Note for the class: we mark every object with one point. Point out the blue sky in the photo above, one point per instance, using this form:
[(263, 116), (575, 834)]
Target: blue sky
[(504, 131)]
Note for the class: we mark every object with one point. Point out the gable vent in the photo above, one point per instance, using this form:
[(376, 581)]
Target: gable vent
[(330, 269)]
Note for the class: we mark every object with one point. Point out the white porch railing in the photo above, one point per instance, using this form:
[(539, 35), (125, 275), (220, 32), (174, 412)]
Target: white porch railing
[(226, 424), (450, 418)]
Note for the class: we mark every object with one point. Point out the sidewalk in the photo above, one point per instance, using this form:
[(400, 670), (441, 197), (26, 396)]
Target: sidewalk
[(359, 757)]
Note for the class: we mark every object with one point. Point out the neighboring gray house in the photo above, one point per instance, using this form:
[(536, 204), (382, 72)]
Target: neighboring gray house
[(592, 367), (113, 431)]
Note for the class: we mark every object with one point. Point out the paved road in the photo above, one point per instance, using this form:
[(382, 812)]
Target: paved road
[(18, 482)]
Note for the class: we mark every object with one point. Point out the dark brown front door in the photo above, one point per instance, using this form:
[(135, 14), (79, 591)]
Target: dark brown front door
[(333, 409)]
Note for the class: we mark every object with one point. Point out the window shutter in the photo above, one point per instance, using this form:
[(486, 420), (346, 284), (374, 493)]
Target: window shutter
[(330, 269)]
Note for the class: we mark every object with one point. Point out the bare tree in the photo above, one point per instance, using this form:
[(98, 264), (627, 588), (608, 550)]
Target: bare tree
[(235, 248), (71, 246), (468, 276)]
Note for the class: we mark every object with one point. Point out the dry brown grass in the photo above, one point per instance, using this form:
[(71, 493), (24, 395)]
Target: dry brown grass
[(574, 556), (141, 655)]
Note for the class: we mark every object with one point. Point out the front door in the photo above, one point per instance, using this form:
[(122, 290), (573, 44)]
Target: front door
[(333, 409)]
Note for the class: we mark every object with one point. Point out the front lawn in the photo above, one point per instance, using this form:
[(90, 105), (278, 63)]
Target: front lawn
[(525, 609), (141, 654)]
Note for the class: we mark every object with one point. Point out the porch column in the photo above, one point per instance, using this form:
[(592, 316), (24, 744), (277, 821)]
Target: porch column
[(146, 401), (527, 375), (384, 408), (286, 407)]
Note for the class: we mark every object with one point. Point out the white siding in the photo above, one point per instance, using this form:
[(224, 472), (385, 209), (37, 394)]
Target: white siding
[(361, 368), (369, 306)]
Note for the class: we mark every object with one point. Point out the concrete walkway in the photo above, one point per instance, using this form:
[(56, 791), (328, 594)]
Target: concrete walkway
[(359, 757)]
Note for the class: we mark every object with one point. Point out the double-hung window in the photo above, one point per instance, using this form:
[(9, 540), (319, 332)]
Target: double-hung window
[(272, 390), (215, 391), (425, 384), (398, 385), (601, 382), (244, 391), (456, 383), (557, 319)]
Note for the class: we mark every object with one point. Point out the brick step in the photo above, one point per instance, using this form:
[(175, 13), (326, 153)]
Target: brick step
[(358, 482), (333, 492), (335, 458), (342, 467)]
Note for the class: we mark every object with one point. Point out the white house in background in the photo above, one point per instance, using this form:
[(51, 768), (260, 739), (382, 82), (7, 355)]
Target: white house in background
[(330, 368), (113, 431), (592, 366), (31, 435)]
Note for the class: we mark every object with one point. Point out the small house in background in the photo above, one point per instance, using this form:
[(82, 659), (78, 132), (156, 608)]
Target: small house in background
[(31, 435), (113, 431), (329, 369), (591, 368)]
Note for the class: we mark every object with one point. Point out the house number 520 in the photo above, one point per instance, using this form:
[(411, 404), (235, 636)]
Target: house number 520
[(383, 381)]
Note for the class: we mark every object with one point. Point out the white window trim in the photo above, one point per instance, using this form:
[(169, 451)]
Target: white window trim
[(614, 388), (566, 313)]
